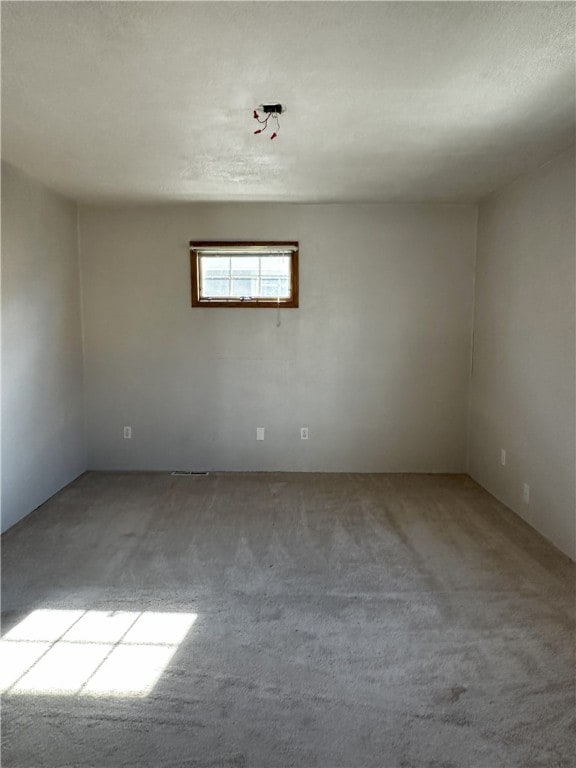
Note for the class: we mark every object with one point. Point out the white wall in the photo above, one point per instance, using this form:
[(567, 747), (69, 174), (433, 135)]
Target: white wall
[(523, 387), (375, 362), (42, 401)]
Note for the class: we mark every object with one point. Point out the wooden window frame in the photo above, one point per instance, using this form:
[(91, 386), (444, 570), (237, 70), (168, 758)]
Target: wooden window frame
[(267, 303)]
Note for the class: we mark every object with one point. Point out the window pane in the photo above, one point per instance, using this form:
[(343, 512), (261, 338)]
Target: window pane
[(244, 287), (246, 265), (275, 265), (245, 274), (272, 287), (216, 276), (275, 276)]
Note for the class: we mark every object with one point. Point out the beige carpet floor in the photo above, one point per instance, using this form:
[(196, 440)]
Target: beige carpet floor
[(275, 620)]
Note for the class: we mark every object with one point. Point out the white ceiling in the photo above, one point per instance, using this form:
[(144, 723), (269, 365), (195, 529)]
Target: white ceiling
[(387, 101)]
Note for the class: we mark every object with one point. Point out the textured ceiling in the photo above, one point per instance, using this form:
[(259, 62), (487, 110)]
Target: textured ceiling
[(387, 101)]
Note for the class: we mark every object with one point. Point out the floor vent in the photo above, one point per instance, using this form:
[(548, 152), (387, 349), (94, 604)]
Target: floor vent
[(190, 474)]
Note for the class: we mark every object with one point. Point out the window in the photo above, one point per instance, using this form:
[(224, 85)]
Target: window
[(244, 274)]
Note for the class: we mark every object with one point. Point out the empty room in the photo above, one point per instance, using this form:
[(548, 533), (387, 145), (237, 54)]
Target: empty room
[(288, 324)]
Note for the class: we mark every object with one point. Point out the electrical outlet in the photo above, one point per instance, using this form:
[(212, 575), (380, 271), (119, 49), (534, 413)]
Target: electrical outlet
[(127, 433), (526, 493), (503, 456), (259, 433), (303, 433)]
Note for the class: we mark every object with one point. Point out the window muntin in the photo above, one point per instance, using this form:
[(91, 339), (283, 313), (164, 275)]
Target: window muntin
[(244, 274)]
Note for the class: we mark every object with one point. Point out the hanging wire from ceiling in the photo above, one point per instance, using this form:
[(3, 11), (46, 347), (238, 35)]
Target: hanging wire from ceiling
[(266, 112)]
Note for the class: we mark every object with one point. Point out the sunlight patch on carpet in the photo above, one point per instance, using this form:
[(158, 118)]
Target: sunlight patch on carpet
[(90, 653)]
